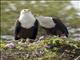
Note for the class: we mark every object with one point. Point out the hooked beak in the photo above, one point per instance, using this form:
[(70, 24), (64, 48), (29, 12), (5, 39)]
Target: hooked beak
[(26, 10)]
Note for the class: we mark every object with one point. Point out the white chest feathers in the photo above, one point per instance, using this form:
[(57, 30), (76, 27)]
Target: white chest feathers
[(46, 22), (27, 20)]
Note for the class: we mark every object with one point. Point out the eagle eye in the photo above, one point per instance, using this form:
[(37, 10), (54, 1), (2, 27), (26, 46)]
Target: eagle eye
[(24, 10)]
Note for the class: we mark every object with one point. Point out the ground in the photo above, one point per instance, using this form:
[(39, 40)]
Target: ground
[(63, 49)]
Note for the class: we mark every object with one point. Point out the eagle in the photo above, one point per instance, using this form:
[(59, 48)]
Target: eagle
[(26, 26), (53, 25)]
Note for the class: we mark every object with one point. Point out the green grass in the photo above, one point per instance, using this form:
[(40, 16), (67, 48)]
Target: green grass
[(37, 50), (8, 18), (64, 49)]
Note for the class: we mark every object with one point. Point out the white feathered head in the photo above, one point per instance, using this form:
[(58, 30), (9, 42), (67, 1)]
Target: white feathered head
[(26, 18), (23, 11)]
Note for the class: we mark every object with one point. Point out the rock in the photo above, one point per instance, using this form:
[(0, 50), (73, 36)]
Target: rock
[(10, 45), (41, 37)]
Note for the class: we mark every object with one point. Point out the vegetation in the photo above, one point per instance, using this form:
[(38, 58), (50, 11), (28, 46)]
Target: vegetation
[(10, 11), (63, 49), (50, 48)]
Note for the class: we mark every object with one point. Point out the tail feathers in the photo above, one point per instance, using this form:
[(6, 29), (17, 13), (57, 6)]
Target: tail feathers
[(64, 30)]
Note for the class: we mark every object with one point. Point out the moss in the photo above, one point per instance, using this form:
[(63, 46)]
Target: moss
[(37, 49)]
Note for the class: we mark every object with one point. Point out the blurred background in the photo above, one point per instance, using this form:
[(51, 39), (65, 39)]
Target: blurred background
[(67, 11)]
